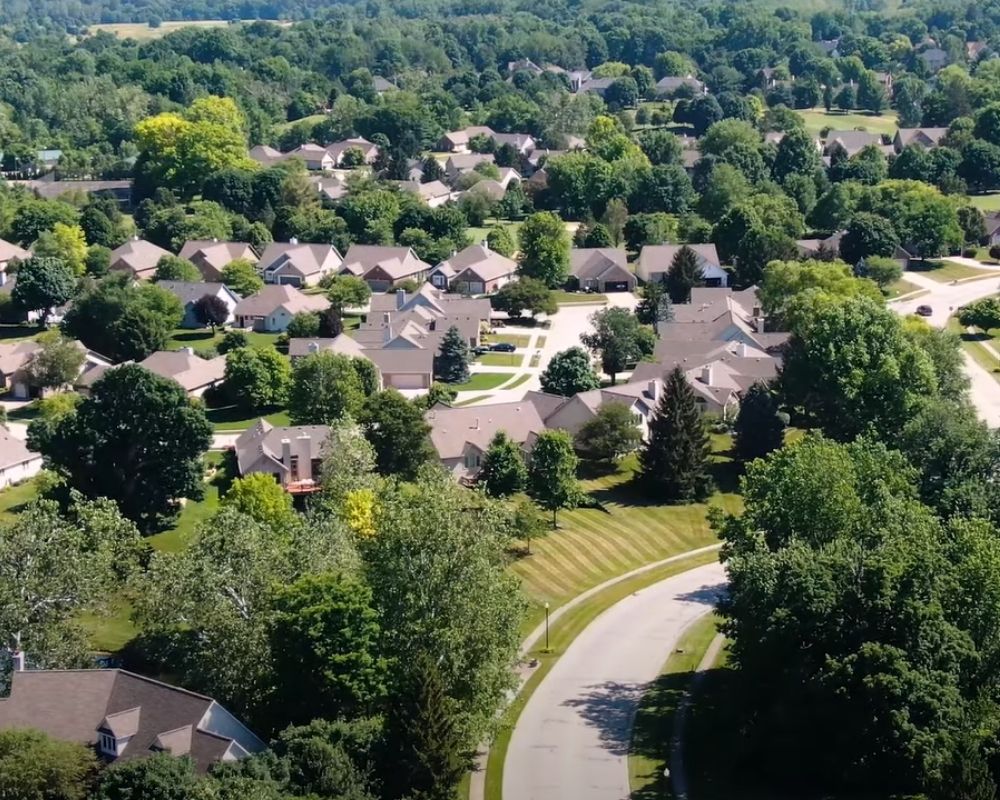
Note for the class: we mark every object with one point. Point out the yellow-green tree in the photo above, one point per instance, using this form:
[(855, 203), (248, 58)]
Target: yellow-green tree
[(180, 150), (65, 242)]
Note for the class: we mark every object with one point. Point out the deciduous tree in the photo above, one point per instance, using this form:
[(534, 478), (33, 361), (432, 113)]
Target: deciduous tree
[(257, 378), (552, 472), (617, 339), (241, 276), (569, 372), (545, 247), (56, 364), (503, 471), (43, 284), (325, 387), (397, 431), (610, 435)]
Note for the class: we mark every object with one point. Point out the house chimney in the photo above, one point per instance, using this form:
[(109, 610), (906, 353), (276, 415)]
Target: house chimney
[(759, 324), (400, 299), (706, 374), (286, 454), (742, 351), (17, 660), (293, 240), (303, 448), (654, 390), (313, 347), (188, 351)]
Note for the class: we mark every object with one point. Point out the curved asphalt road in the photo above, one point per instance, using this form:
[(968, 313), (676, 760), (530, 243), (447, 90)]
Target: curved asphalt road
[(571, 740)]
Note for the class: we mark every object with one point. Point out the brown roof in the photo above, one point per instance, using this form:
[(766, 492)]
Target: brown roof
[(594, 263), (305, 260), (10, 251), (13, 451), (73, 705), (264, 440), (397, 262), (480, 262), (217, 254), (190, 371), (274, 296), (139, 256), (453, 428)]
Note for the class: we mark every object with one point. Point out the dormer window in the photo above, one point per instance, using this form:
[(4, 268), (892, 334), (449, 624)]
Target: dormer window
[(108, 744)]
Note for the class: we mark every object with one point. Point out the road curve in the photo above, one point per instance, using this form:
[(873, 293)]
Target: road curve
[(571, 740)]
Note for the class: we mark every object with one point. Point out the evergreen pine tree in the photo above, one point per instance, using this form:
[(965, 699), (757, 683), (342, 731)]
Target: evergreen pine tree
[(759, 428), (673, 462), (429, 757), (503, 471), (453, 358), (684, 274)]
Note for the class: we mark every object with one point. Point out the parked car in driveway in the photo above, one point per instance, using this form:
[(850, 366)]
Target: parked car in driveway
[(503, 347), (924, 311)]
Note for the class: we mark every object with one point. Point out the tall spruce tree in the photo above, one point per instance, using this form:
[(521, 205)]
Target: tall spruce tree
[(759, 428), (453, 358), (429, 756), (684, 274), (503, 471), (674, 461)]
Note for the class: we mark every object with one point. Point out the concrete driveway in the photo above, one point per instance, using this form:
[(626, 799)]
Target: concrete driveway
[(944, 300), (572, 738)]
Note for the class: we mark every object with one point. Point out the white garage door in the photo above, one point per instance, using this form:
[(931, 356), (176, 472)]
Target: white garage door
[(403, 380)]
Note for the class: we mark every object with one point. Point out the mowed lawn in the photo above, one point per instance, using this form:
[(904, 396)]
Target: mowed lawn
[(818, 118), (627, 531), (947, 271), (986, 202), (141, 31)]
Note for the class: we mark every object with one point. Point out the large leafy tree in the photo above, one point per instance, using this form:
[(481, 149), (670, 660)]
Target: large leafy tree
[(241, 276), (452, 361), (618, 339), (868, 235), (159, 775), (851, 610), (611, 434), (784, 281), (325, 631), (526, 294), (64, 242), (173, 268), (552, 472), (53, 567), (257, 378), (57, 363), (851, 368), (545, 247), (398, 432), (673, 462), (684, 274), (325, 387), (569, 372), (437, 570), (503, 471), (43, 284), (760, 427), (36, 767), (259, 496), (137, 440)]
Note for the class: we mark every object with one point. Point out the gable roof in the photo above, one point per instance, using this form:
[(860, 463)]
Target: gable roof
[(215, 253), (397, 262), (190, 371), (193, 291), (9, 251), (274, 296), (264, 439), (300, 259), (480, 261), (657, 258), (851, 141), (593, 262), (453, 428), (73, 705), (13, 451), (138, 255), (929, 137), (266, 156)]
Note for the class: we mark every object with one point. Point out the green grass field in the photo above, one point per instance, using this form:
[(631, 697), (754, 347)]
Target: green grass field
[(142, 32), (986, 202), (948, 271), (518, 381), (972, 344), (204, 339), (482, 382), (516, 339), (818, 118), (579, 298), (653, 729), (14, 497), (901, 287), (229, 418), (627, 531), (501, 359)]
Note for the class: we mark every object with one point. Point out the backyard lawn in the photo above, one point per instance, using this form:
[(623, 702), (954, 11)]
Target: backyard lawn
[(14, 497), (482, 382), (818, 118), (986, 202), (230, 418), (627, 531), (15, 333)]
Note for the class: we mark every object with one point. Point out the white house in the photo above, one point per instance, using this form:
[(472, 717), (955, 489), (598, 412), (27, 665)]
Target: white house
[(17, 462)]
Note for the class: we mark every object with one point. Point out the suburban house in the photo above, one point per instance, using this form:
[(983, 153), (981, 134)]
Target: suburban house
[(655, 260), (934, 58), (973, 50), (16, 357), (272, 308), (925, 137), (382, 85), (297, 264), (523, 143), (315, 156), (291, 454), (477, 270), (195, 374), (457, 165), (461, 436), (434, 193), (668, 86), (212, 256), (266, 156), (404, 368), (48, 188), (125, 716), (598, 86), (424, 316), (10, 252), (190, 293), (825, 249), (851, 141), (458, 141), (369, 150), (601, 269), (383, 268), (992, 220), (17, 462), (138, 257)]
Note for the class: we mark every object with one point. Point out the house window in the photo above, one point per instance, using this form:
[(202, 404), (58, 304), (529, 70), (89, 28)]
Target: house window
[(472, 460), (294, 468), (108, 744)]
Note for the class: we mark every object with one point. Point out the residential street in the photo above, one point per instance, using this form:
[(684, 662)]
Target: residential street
[(944, 299), (571, 741)]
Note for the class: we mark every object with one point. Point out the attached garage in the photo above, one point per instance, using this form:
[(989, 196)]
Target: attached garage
[(616, 286), (407, 380)]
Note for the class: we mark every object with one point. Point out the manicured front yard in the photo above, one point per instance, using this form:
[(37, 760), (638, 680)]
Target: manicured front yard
[(230, 418), (204, 339), (900, 287), (972, 343), (653, 729), (482, 382), (516, 339), (948, 271), (579, 298), (501, 359)]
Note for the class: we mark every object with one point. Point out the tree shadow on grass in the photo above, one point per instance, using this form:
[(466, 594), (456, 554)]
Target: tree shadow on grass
[(199, 335), (654, 729)]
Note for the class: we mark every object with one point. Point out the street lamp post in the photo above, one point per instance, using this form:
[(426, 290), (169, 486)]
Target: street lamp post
[(546, 627)]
